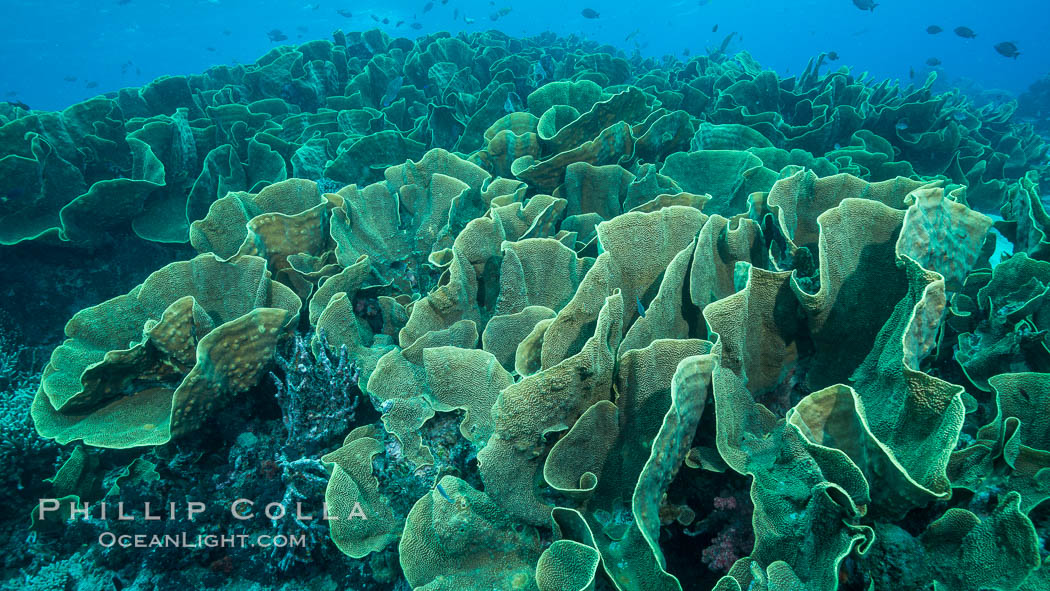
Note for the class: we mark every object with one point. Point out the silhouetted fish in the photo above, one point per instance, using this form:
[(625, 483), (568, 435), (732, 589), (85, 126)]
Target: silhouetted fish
[(455, 14), (123, 2), (276, 35), (416, 25), (70, 78), (386, 21), (833, 55), (631, 35), (933, 62), (965, 32), (714, 29), (92, 84), (345, 12), (911, 73), (933, 29), (375, 18), (17, 103), (209, 48), (428, 6), (399, 23), (641, 308), (589, 13), (865, 4), (1007, 49)]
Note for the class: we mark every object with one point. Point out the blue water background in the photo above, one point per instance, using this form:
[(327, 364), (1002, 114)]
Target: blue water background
[(45, 42)]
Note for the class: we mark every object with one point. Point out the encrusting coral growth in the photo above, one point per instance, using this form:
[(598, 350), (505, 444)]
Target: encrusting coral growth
[(595, 303)]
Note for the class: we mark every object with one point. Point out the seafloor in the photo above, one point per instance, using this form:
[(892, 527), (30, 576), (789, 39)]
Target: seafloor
[(551, 317)]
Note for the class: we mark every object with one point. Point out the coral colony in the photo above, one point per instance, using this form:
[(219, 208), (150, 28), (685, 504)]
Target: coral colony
[(547, 318)]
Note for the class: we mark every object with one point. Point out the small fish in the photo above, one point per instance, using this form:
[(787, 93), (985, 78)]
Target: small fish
[(902, 125), (392, 89), (505, 11), (865, 4), (631, 35), (345, 13), (386, 21), (589, 13), (641, 308), (227, 32), (468, 20), (416, 25), (494, 16), (375, 18), (933, 29), (933, 62), (833, 56), (444, 2), (302, 29), (428, 6), (399, 23), (509, 104), (714, 29), (19, 104), (92, 84), (70, 78), (276, 35), (123, 2), (965, 32), (911, 73), (1007, 49), (444, 494), (11, 93), (209, 48), (685, 52), (455, 14)]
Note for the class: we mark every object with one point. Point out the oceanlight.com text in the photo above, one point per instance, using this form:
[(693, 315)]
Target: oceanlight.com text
[(184, 540)]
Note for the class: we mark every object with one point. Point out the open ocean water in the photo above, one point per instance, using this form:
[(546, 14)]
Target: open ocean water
[(474, 295)]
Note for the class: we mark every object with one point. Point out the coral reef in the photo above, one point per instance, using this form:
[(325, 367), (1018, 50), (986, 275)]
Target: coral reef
[(654, 326)]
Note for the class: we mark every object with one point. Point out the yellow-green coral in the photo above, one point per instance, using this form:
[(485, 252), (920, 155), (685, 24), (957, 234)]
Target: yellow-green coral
[(151, 365)]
